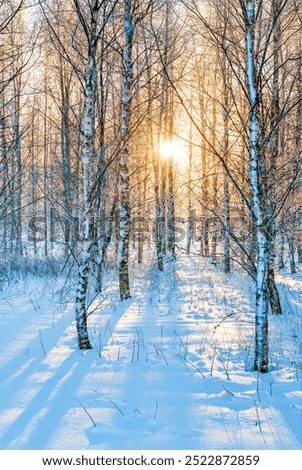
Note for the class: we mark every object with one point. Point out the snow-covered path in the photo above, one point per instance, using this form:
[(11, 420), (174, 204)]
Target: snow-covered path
[(169, 371)]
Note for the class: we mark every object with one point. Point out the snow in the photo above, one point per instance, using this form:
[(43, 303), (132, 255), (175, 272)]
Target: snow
[(170, 367)]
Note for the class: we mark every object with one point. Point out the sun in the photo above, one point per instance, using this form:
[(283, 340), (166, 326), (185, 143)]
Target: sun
[(174, 149)]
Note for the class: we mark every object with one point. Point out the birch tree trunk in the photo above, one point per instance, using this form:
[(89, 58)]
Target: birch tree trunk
[(171, 211), (170, 177), (18, 163), (225, 154), (88, 152), (46, 139), (34, 170), (169, 125), (205, 226), (123, 255), (298, 139), (291, 247), (5, 178), (189, 207), (274, 299), (255, 167), (87, 159), (158, 216), (65, 135)]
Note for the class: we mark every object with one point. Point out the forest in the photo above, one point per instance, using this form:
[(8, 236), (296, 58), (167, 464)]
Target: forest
[(151, 167)]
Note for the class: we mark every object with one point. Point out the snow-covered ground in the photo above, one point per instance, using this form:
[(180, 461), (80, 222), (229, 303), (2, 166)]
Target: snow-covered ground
[(170, 368)]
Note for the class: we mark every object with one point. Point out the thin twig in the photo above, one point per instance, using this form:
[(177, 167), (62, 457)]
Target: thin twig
[(182, 344), (107, 398), (192, 364), (88, 414), (158, 350), (228, 391)]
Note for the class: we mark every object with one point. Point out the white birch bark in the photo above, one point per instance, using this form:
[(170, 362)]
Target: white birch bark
[(171, 210), (45, 152), (189, 209), (169, 117), (162, 209), (226, 78), (5, 178), (123, 255), (298, 139), (204, 238), (65, 136), (292, 252), (274, 154), (87, 157), (158, 240), (18, 163), (226, 191), (261, 320)]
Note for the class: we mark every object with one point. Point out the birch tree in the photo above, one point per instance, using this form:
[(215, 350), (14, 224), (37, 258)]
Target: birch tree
[(93, 28), (134, 12), (88, 158), (225, 155), (123, 261), (255, 168)]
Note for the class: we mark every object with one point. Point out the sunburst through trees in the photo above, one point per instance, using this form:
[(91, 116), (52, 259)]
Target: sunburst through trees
[(135, 128)]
